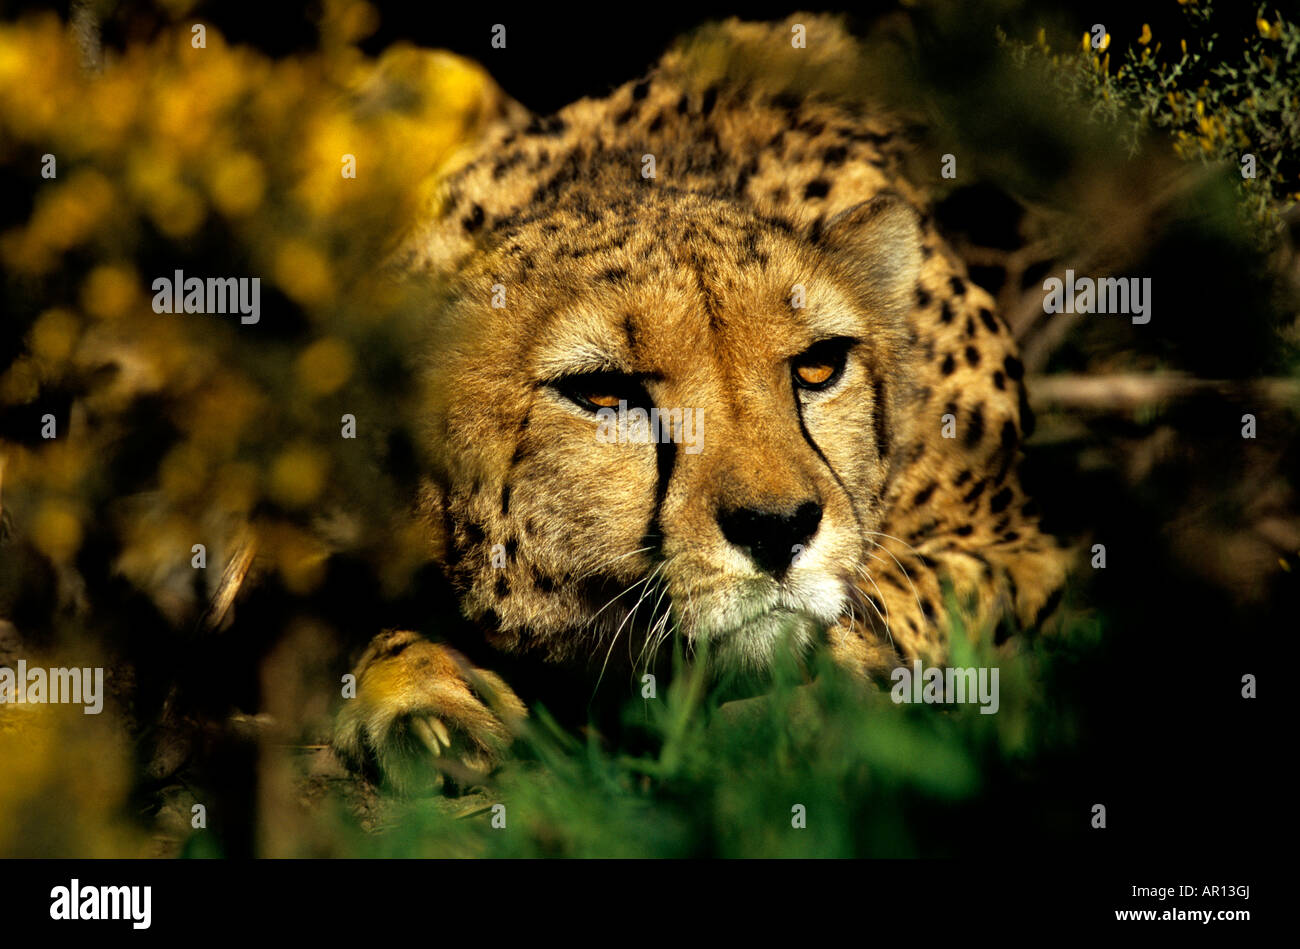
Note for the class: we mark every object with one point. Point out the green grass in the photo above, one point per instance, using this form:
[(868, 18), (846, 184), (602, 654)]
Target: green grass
[(723, 779)]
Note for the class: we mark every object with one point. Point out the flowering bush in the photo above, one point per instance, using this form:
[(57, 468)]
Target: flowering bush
[(129, 436), (1219, 102)]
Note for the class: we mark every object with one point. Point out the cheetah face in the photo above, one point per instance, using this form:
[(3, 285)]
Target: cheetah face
[(567, 526)]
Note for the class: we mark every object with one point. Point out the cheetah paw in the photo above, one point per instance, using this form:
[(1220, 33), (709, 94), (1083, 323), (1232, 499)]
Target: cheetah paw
[(423, 716)]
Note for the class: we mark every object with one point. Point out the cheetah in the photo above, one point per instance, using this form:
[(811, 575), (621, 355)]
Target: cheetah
[(751, 254)]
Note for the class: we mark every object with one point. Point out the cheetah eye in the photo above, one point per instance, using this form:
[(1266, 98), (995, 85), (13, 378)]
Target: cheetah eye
[(821, 364), (601, 390)]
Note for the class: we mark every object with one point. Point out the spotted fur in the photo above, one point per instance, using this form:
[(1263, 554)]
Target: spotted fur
[(571, 550)]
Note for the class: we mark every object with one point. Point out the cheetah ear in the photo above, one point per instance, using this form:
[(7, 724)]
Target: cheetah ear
[(878, 243)]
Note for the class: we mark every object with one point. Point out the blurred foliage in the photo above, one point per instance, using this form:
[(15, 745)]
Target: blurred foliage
[(1217, 102), (212, 161), (874, 778), (173, 430)]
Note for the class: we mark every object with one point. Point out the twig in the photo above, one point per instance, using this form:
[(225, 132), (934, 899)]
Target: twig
[(1126, 392), (232, 579)]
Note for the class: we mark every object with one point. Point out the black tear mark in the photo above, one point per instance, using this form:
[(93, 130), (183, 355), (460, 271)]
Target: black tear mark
[(505, 500), (821, 455), (665, 462)]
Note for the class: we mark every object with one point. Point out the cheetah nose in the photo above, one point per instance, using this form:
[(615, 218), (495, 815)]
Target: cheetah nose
[(771, 536)]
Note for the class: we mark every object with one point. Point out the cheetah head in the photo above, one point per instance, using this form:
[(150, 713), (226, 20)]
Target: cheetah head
[(772, 362)]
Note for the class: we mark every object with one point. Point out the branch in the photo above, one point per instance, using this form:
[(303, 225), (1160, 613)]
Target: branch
[(1117, 393)]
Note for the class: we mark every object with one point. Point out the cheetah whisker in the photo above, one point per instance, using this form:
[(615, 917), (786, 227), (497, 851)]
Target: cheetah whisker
[(628, 618), (884, 617), (595, 570), (906, 576)]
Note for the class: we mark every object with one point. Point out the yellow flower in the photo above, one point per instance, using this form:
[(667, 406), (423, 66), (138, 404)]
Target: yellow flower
[(325, 366), (303, 273), (110, 291), (54, 335), (177, 211), (237, 183), (298, 475), (184, 472), (1146, 34), (56, 531), (235, 487)]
